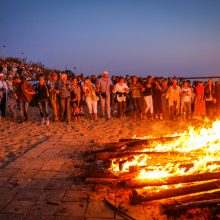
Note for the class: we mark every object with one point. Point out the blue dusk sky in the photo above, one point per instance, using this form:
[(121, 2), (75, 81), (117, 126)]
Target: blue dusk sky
[(158, 37)]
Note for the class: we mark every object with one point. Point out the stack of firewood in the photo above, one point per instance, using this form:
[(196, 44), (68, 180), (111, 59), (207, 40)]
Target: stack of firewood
[(196, 190)]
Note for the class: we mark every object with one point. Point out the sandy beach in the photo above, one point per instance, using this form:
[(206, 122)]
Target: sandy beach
[(39, 166), (16, 138)]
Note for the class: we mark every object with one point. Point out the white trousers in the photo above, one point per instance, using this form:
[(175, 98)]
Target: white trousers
[(92, 105), (149, 103)]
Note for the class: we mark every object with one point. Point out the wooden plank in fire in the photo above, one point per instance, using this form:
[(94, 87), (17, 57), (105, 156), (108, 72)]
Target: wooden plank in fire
[(173, 209), (185, 164), (144, 196), (121, 155), (130, 143), (199, 196), (139, 183)]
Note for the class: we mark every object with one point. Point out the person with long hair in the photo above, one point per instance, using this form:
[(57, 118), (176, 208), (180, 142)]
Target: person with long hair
[(148, 98), (136, 92), (64, 94), (164, 102), (157, 99), (199, 106), (54, 97), (91, 99), (76, 99)]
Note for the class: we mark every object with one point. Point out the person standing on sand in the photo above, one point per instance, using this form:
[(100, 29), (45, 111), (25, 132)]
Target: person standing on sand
[(136, 89), (104, 87), (157, 99), (121, 89), (164, 103), (209, 94), (217, 96), (186, 100), (12, 97), (3, 95), (147, 92), (75, 99), (91, 98), (199, 107), (42, 93), (64, 94), (173, 95), (25, 93), (54, 98)]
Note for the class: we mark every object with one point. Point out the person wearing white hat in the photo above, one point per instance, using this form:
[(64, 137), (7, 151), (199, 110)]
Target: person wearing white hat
[(3, 94), (104, 86)]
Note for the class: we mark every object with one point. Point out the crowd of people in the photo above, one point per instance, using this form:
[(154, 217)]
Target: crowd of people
[(71, 96)]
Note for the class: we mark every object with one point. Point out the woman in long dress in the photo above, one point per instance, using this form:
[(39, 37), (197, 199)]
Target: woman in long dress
[(199, 108)]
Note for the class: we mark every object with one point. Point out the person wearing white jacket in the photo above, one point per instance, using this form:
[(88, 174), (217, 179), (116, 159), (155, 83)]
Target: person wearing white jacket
[(3, 95)]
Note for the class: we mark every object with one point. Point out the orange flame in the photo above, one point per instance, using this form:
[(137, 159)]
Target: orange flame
[(203, 142)]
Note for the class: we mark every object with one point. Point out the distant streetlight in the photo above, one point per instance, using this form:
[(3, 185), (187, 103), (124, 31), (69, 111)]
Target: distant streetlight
[(75, 69), (3, 51), (22, 57)]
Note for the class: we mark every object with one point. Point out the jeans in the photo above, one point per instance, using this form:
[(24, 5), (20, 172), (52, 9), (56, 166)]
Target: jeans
[(44, 108), (56, 109), (137, 104), (122, 107), (65, 109), (24, 106)]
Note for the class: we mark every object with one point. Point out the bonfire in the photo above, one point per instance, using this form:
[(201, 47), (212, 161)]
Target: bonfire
[(184, 165)]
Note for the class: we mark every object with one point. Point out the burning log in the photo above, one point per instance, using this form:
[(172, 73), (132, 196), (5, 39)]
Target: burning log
[(109, 147), (165, 154), (102, 180), (160, 139), (172, 180), (180, 164), (96, 173), (205, 195), (173, 209), (137, 198)]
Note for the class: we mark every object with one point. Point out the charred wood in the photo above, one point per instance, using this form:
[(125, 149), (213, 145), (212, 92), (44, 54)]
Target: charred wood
[(137, 198)]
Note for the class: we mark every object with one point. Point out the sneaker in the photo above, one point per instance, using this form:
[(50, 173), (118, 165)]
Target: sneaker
[(48, 122), (156, 116), (161, 117)]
